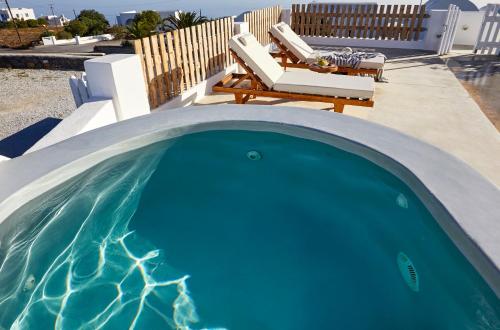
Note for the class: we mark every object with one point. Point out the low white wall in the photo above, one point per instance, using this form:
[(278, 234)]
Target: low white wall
[(89, 116), (362, 42), (197, 92), (52, 41), (468, 27)]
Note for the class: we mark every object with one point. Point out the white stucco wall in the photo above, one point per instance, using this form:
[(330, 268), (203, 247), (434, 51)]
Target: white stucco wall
[(472, 20), (119, 77), (89, 116), (19, 13)]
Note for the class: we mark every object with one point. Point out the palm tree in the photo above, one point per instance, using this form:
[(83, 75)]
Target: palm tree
[(137, 30), (183, 20)]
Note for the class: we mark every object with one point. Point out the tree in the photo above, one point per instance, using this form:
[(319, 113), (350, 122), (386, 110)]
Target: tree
[(32, 23), (95, 21), (184, 20), (42, 21), (77, 28), (144, 24), (64, 35)]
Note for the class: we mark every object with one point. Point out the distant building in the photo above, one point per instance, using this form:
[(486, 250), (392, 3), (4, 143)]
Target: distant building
[(464, 5), (60, 20), (126, 17), (17, 13)]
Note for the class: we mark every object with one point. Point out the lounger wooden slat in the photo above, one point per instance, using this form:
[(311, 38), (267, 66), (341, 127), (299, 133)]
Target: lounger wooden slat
[(255, 87), (289, 60)]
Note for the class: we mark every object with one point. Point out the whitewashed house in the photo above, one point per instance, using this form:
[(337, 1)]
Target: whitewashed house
[(55, 20), (17, 13)]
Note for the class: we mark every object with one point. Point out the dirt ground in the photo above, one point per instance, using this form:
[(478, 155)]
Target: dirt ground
[(9, 38), (28, 96)]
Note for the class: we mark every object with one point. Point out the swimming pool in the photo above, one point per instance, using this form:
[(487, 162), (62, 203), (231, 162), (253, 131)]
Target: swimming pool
[(225, 228)]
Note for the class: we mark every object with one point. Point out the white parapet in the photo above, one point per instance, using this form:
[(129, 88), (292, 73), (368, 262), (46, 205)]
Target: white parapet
[(119, 77), (89, 116), (241, 27)]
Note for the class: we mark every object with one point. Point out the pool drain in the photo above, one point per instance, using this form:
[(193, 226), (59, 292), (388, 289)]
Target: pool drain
[(254, 155), (408, 271)]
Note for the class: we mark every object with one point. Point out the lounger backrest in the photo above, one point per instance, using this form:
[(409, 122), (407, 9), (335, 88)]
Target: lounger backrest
[(292, 41), (256, 57)]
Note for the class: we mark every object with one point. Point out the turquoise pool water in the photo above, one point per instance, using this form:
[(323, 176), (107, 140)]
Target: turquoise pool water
[(235, 230)]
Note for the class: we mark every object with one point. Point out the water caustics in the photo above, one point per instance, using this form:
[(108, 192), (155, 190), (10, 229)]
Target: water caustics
[(104, 275), (235, 230)]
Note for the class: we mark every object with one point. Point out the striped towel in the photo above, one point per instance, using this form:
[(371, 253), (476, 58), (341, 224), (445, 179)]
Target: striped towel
[(348, 59)]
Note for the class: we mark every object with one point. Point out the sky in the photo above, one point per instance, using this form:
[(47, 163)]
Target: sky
[(210, 8)]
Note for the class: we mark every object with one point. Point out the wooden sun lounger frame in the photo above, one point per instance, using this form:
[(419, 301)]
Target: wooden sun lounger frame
[(258, 88), (286, 55)]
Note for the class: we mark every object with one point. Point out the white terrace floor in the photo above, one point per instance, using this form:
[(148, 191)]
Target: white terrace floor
[(423, 99)]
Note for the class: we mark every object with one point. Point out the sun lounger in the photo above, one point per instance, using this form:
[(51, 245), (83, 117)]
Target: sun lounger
[(294, 52), (265, 77)]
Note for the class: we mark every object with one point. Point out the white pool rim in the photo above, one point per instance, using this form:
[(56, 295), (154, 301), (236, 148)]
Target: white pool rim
[(465, 204)]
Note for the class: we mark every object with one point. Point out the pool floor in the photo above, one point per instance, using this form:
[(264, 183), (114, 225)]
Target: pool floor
[(236, 230)]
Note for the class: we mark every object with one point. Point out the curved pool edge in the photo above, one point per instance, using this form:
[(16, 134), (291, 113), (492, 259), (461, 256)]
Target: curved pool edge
[(465, 204)]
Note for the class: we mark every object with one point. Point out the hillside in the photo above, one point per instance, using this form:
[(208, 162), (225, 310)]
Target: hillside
[(8, 37)]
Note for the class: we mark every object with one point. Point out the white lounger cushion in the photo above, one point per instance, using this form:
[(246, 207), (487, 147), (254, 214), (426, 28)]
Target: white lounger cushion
[(309, 82), (300, 81), (292, 41), (256, 57), (306, 54), (376, 62)]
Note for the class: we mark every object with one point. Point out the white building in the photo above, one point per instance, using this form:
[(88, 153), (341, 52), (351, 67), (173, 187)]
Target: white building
[(55, 20), (464, 5), (17, 13), (126, 17)]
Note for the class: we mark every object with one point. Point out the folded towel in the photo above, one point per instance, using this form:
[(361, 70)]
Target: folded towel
[(348, 58)]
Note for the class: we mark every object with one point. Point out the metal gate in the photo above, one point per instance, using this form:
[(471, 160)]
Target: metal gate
[(449, 30), (488, 40)]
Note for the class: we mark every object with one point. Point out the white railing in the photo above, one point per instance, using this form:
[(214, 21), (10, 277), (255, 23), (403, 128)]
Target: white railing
[(488, 40), (449, 30)]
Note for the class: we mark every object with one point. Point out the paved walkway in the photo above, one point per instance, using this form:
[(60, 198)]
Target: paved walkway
[(480, 75), (423, 99)]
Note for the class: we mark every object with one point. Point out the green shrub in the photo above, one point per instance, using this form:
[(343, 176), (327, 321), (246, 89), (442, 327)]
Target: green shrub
[(22, 24), (46, 34), (143, 25), (77, 28), (10, 25), (119, 32), (32, 23), (95, 21), (64, 35), (42, 21)]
